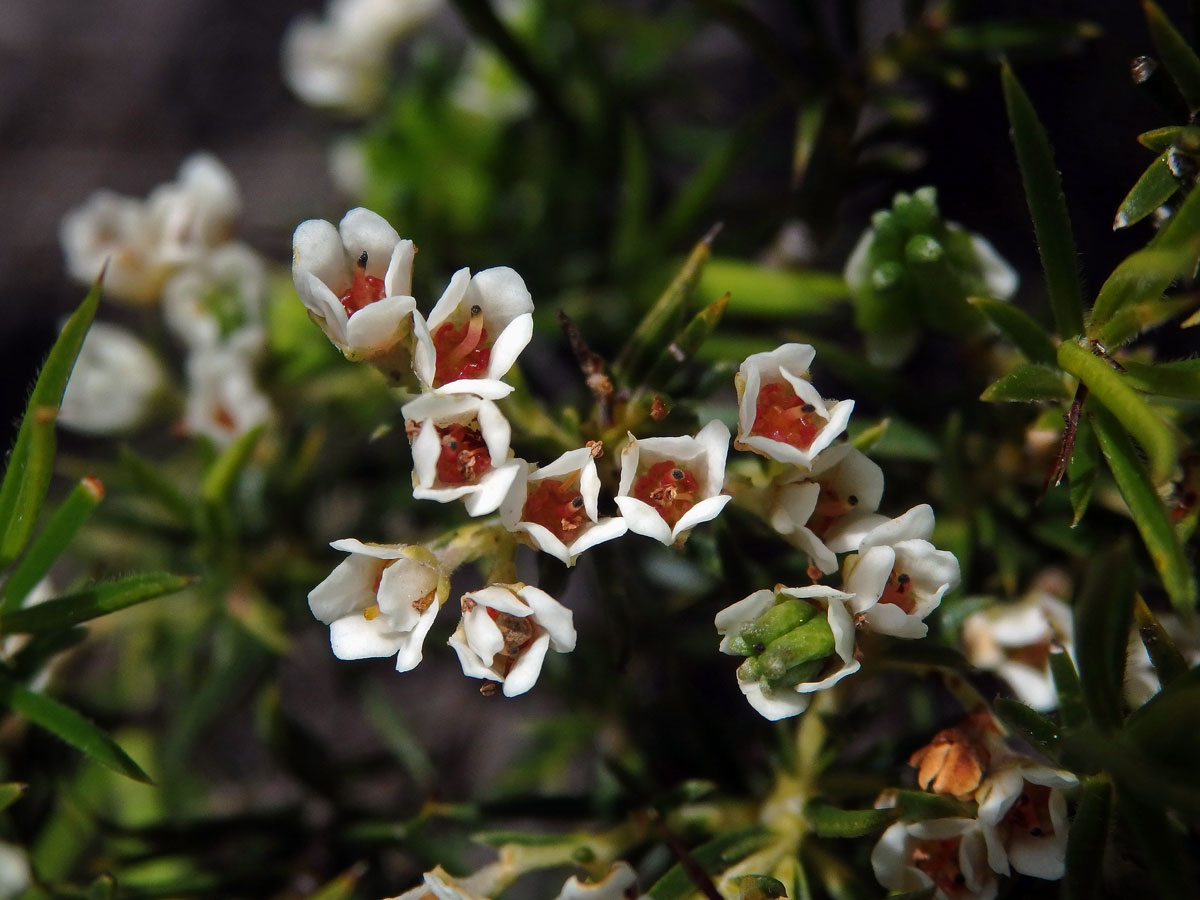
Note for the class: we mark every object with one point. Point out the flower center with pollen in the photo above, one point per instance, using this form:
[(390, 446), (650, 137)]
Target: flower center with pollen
[(939, 860), (899, 590), (364, 289), (464, 456), (557, 506), (782, 416), (669, 488), (460, 351), (517, 632)]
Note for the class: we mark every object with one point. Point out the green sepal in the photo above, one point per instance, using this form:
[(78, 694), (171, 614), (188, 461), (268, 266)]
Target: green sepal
[(1020, 328), (97, 600), (1028, 383), (1087, 840), (1103, 615), (342, 887), (1030, 724), (1154, 188), (829, 821), (807, 643), (1175, 53)]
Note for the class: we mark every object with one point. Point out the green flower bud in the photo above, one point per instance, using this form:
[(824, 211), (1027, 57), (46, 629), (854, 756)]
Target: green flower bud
[(811, 641), (773, 624)]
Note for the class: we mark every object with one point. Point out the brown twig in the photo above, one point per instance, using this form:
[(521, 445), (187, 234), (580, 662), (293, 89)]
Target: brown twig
[(592, 365)]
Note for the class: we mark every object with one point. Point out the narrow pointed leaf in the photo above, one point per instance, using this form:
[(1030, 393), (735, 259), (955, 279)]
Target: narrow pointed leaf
[(629, 236), (27, 475), (1086, 841), (1047, 206), (829, 821), (1173, 50), (1103, 616), (1179, 378), (1146, 507), (686, 343), (223, 474), (1159, 139), (10, 793), (1029, 383), (1168, 662), (70, 726), (770, 294), (342, 887), (1030, 724), (998, 37), (713, 857), (1019, 327), (1082, 469), (97, 600), (1107, 387), (1136, 319), (149, 479), (1071, 710), (1149, 192)]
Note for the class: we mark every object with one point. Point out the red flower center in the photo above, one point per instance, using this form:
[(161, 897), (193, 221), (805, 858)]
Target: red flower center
[(460, 351), (669, 488), (464, 457), (1031, 811), (364, 289), (939, 860), (557, 506), (517, 632), (899, 590), (830, 507), (782, 416)]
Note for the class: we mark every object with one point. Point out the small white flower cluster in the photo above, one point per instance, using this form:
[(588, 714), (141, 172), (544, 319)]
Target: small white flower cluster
[(174, 247), (799, 640), (1020, 824)]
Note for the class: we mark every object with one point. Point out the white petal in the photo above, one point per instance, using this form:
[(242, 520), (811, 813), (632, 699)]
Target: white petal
[(492, 488), (642, 518), (775, 705), (364, 231), (424, 353), (1001, 278), (324, 304), (888, 618), (356, 637), (502, 294), (379, 551), (409, 655), (916, 524), (613, 886), (501, 598), (426, 450), (703, 511), (487, 388), (472, 665), (509, 344), (450, 299), (482, 634), (868, 579), (525, 671), (379, 326), (606, 529), (552, 616), (398, 280), (746, 610), (350, 588), (317, 249)]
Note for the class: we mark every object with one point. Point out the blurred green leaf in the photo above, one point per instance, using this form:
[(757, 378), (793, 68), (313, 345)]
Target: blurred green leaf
[(103, 888), (1178, 378), (1071, 709), (1031, 725), (31, 461), (1082, 469), (1164, 728), (759, 293), (629, 236), (1179, 58), (686, 343), (713, 857), (830, 822), (10, 793), (221, 477), (1151, 517), (1028, 383), (1160, 139), (1047, 205), (1168, 662), (1149, 192), (1019, 327), (915, 806), (98, 600), (1103, 617), (761, 887), (1137, 318), (998, 37), (342, 887), (1087, 841), (903, 440), (1109, 388), (149, 479), (70, 726), (1157, 841)]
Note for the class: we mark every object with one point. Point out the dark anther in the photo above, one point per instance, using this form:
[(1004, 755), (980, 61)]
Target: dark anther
[(476, 310), (451, 443), (852, 500), (576, 503), (960, 878), (1036, 832), (362, 260), (677, 474), (902, 578), (808, 408), (759, 648)]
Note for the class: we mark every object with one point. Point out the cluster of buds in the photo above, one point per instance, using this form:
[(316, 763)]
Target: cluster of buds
[(799, 640), (1019, 824), (173, 249)]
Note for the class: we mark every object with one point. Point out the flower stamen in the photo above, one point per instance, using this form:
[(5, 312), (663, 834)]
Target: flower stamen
[(364, 289)]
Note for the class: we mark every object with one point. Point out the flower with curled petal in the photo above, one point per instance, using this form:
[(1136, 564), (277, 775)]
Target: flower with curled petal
[(506, 631), (669, 485), (780, 414), (797, 641), (474, 333), (380, 600), (1023, 814), (556, 507), (460, 451), (356, 281), (620, 883), (898, 577), (948, 854)]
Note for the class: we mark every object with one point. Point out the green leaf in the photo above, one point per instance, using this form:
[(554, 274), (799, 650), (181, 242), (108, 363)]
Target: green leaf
[(760, 887), (103, 888), (759, 293), (1047, 205), (70, 726), (1149, 192), (1071, 709), (1036, 729), (1087, 840), (1168, 662), (829, 821), (1160, 139), (629, 231), (1179, 378), (713, 857), (903, 440), (1157, 842), (10, 793), (1028, 383), (342, 887), (1103, 616), (223, 474), (1146, 507), (1136, 319), (1019, 327), (32, 459), (98, 600), (1109, 388), (1165, 726), (994, 37), (1180, 60), (1082, 469), (916, 806), (149, 479), (686, 343)]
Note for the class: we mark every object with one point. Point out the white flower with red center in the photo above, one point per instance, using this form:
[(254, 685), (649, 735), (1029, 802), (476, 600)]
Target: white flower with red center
[(380, 600), (109, 228), (460, 447), (797, 641), (556, 507), (356, 280), (669, 485), (1023, 814), (218, 303), (619, 884), (506, 631), (824, 512), (474, 333), (115, 384), (948, 854), (1015, 640), (780, 414), (898, 577), (223, 397), (195, 212)]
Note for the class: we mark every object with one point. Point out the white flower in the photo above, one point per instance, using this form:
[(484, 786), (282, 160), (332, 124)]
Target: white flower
[(356, 281), (557, 507), (949, 854), (1023, 814), (474, 333), (439, 884), (380, 600), (487, 87), (669, 485), (827, 510), (16, 876), (506, 631), (619, 884), (194, 213), (114, 385), (899, 577), (780, 414), (219, 301), (223, 398), (1015, 641), (738, 621), (460, 451), (118, 230)]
